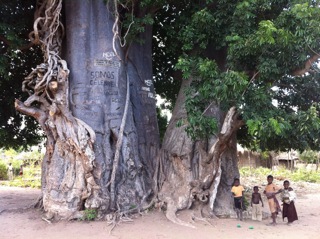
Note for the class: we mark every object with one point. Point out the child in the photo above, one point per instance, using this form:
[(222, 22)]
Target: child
[(10, 172), (237, 190), (21, 170), (256, 208), (288, 209), (271, 191)]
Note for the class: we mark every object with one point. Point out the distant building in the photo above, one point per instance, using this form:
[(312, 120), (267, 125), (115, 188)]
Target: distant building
[(247, 158), (286, 159)]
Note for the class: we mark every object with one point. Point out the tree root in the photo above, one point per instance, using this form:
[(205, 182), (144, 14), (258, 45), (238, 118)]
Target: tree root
[(38, 203), (46, 220), (117, 218), (171, 215), (205, 220)]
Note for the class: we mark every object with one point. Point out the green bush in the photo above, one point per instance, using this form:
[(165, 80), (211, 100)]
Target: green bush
[(3, 171), (31, 175), (296, 175), (22, 183), (89, 214), (31, 168), (306, 175), (308, 156), (15, 164), (260, 171)]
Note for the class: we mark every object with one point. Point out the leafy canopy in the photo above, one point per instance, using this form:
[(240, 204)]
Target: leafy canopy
[(260, 56), (16, 59), (257, 55)]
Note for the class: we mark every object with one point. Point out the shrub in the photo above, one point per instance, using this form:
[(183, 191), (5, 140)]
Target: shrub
[(89, 214), (282, 173), (3, 171), (306, 175), (31, 168), (308, 156)]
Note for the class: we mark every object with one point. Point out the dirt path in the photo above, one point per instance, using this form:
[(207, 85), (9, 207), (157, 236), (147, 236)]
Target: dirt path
[(19, 222)]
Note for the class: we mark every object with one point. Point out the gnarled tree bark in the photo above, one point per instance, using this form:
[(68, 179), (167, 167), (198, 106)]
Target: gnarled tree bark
[(101, 124), (97, 155), (198, 174)]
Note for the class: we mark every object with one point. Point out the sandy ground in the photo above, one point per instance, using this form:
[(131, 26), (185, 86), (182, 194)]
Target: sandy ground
[(17, 221)]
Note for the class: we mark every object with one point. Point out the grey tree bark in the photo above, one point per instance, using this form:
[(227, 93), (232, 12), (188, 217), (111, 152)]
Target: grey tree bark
[(103, 75), (198, 175), (103, 141), (100, 119)]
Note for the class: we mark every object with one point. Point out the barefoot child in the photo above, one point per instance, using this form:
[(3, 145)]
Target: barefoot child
[(10, 171), (271, 191), (288, 196), (237, 190), (255, 204)]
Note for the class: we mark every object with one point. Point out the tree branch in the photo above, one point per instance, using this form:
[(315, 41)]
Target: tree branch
[(9, 43), (5, 40), (36, 113), (307, 65)]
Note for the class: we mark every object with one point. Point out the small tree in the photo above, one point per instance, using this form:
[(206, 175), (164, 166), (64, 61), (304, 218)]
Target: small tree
[(310, 157)]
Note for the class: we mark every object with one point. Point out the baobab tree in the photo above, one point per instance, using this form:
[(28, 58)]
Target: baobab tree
[(101, 125), (243, 72), (94, 97)]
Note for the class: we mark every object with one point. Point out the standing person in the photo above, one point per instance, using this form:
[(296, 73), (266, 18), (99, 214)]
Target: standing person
[(10, 172), (288, 209), (255, 204), (271, 191), (237, 192), (21, 170)]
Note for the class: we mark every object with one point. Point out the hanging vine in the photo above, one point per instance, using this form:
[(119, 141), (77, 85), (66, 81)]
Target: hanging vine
[(47, 86), (70, 181)]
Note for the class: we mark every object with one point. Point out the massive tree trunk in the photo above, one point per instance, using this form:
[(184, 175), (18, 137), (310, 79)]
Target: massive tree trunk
[(102, 129), (101, 149), (198, 174), (103, 76)]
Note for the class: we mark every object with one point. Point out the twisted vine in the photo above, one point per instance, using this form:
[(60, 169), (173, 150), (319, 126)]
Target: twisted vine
[(47, 86)]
